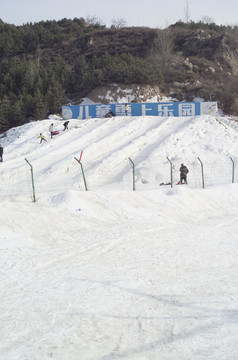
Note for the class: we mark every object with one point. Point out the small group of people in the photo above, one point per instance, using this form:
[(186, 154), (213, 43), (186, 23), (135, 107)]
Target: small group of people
[(52, 131)]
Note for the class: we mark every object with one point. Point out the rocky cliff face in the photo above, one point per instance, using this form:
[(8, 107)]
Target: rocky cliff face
[(119, 93), (195, 62)]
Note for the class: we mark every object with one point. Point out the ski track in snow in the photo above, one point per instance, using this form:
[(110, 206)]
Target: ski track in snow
[(149, 306), (111, 274)]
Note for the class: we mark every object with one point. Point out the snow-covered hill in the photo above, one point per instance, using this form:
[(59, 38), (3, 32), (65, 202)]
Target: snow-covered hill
[(107, 145), (111, 273)]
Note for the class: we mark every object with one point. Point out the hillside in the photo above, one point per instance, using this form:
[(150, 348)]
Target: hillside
[(47, 64), (111, 273)]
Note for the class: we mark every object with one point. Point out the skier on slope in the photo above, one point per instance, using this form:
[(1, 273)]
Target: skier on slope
[(183, 174)]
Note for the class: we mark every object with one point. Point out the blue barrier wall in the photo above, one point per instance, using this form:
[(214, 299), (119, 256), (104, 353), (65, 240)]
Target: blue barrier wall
[(139, 109)]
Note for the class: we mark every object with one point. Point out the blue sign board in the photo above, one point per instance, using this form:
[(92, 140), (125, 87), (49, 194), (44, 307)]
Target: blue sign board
[(139, 109)]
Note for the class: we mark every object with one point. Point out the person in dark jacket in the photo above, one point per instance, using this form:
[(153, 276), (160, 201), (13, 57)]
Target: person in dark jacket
[(65, 124), (109, 114), (126, 109), (183, 174), (1, 153)]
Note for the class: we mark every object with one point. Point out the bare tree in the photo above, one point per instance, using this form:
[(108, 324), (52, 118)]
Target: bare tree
[(118, 23), (162, 54), (94, 20), (207, 20), (162, 47), (232, 58)]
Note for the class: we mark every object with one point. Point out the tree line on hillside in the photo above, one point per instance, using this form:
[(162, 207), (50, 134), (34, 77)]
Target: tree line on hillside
[(37, 76), (35, 88), (34, 83)]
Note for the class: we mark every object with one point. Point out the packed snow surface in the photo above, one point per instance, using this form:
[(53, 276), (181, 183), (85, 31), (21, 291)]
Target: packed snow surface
[(111, 273)]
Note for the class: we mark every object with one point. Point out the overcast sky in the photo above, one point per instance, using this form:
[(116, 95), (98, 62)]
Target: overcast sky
[(151, 13)]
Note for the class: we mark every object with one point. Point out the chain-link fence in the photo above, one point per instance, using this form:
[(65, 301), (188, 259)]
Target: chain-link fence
[(59, 176)]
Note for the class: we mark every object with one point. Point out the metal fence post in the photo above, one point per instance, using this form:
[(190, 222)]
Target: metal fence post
[(171, 172), (233, 170), (133, 173), (85, 184), (32, 181), (202, 173)]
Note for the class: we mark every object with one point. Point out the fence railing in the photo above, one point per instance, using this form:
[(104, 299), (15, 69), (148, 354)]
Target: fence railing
[(34, 179)]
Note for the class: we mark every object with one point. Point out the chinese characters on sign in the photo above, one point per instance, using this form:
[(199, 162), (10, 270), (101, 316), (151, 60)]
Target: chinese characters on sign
[(165, 110), (139, 109), (186, 109)]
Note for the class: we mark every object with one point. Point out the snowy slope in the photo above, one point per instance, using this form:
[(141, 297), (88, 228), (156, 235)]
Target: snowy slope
[(107, 145), (112, 273)]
